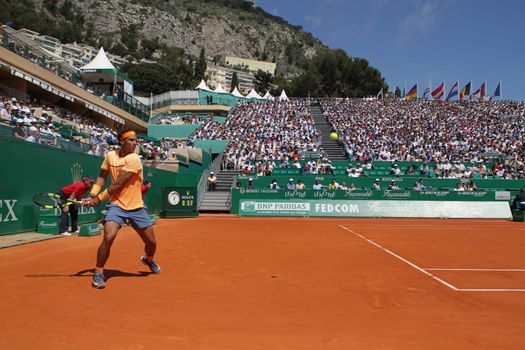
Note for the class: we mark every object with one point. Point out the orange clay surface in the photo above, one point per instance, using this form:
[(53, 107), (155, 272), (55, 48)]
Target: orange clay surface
[(274, 283)]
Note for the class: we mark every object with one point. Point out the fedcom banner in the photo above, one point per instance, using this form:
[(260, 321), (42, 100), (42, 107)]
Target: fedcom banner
[(388, 208)]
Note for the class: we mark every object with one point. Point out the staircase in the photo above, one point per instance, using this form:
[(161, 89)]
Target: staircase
[(220, 199), (332, 149)]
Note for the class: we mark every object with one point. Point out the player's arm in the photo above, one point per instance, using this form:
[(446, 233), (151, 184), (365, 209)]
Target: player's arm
[(99, 183), (123, 178), (93, 199)]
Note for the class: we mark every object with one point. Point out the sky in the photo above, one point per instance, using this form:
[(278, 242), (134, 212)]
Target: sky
[(422, 41)]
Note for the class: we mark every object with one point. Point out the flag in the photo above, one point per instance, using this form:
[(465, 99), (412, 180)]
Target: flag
[(483, 89), (475, 94), (454, 91), (497, 92), (439, 91), (478, 93), (427, 90), (412, 93), (465, 91)]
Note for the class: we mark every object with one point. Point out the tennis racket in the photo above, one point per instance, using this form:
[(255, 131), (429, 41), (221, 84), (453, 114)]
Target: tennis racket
[(52, 200)]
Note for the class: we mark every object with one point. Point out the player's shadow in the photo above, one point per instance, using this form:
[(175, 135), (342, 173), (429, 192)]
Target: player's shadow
[(108, 273)]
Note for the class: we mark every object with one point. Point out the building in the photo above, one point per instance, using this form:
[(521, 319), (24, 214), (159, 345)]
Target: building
[(75, 54), (248, 64), (224, 75)]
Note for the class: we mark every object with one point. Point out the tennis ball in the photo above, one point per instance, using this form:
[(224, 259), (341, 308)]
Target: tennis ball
[(334, 136)]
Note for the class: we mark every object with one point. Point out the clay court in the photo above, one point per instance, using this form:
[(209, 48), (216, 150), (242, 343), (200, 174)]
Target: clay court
[(274, 283)]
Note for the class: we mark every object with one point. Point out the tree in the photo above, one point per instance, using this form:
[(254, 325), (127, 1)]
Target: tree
[(262, 80), (200, 66), (235, 81)]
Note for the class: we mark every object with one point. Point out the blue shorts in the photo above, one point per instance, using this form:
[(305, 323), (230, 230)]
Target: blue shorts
[(138, 218)]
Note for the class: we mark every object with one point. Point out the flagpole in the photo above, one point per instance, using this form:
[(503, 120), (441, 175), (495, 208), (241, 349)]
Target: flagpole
[(444, 88)]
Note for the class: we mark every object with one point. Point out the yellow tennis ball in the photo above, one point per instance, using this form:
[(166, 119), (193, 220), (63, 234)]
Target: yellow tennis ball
[(334, 136)]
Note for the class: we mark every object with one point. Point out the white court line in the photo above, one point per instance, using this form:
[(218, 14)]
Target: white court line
[(488, 270), (402, 259), (441, 227), (489, 290)]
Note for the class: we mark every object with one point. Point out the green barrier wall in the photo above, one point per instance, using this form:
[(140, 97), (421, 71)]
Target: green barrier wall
[(214, 146), (29, 168), (181, 131), (440, 204)]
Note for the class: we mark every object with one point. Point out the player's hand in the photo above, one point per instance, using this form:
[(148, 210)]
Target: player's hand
[(91, 201)]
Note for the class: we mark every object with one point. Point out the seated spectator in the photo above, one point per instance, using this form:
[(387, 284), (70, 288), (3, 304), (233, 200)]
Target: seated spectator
[(212, 181), (274, 185), (290, 185), (395, 170), (34, 136), (421, 186), (393, 186), (6, 113), (333, 185), (460, 187), (343, 186), (471, 186), (238, 185), (416, 187), (317, 185), (352, 186), (376, 185), (18, 131), (300, 185), (250, 185)]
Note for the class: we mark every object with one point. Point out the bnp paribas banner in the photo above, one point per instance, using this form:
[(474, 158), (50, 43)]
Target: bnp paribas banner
[(375, 208)]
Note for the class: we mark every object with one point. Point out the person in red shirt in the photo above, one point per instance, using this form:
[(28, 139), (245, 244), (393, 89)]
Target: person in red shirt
[(74, 191), (145, 187)]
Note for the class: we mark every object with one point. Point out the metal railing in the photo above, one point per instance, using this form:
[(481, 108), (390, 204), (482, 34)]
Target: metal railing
[(38, 56)]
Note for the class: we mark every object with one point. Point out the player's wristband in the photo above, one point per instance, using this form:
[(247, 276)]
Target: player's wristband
[(95, 190), (104, 195)]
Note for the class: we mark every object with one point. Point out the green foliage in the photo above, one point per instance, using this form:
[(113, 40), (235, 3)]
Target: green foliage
[(129, 36), (262, 81), (332, 73), (172, 72), (235, 81), (200, 66)]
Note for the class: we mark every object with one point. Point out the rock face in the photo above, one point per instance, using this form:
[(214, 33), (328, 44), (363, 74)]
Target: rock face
[(195, 24)]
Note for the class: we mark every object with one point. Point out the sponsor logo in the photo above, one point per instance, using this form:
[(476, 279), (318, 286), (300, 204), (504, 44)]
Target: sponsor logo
[(397, 194), (7, 210), (43, 224), (76, 172), (295, 194), (274, 206), (503, 195), (435, 193), (476, 194), (173, 198), (324, 194), (336, 208), (352, 194)]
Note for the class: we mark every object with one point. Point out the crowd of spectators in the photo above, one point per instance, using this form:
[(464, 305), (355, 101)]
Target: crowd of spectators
[(446, 132), (267, 133)]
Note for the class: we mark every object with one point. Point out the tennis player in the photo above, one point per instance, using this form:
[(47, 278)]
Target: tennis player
[(126, 203)]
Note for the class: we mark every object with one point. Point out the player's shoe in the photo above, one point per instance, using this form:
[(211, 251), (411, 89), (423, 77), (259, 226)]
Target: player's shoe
[(153, 266), (98, 280), (66, 233)]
